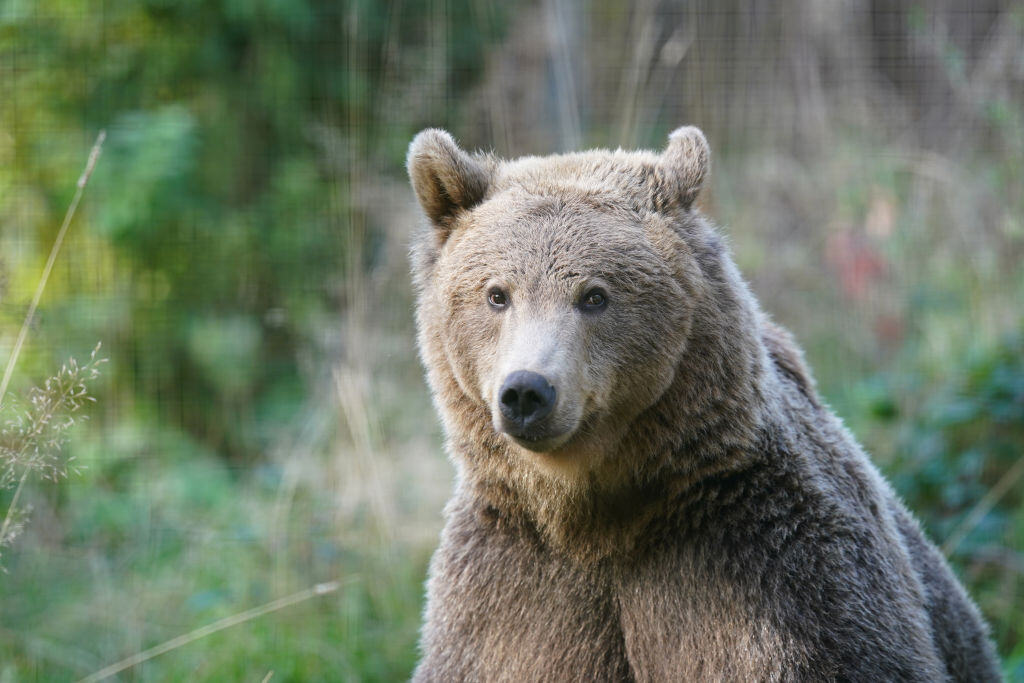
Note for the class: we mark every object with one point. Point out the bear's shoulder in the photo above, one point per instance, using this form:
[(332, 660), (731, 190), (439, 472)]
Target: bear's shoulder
[(788, 359)]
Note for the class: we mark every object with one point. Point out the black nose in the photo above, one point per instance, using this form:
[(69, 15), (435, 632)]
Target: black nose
[(526, 398)]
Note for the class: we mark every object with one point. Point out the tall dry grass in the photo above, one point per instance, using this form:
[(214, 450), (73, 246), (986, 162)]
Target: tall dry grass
[(36, 429)]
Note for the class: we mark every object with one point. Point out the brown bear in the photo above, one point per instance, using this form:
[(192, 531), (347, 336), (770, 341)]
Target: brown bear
[(649, 487)]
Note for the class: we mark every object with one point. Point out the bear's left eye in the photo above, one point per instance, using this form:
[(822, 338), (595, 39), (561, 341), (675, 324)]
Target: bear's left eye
[(497, 298), (593, 300)]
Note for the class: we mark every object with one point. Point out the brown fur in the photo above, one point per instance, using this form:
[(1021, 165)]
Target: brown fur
[(697, 513)]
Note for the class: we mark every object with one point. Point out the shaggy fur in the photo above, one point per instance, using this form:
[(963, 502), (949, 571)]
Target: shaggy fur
[(694, 512)]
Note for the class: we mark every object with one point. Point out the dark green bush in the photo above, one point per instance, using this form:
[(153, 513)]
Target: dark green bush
[(956, 455)]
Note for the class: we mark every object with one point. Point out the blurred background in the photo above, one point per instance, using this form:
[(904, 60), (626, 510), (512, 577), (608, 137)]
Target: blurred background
[(262, 425)]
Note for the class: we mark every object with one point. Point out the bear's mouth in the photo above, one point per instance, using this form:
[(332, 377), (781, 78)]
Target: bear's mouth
[(540, 438), (554, 433), (539, 443)]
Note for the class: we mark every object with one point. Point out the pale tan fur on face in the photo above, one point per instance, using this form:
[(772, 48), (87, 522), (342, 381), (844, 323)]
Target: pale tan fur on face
[(547, 339), (545, 252)]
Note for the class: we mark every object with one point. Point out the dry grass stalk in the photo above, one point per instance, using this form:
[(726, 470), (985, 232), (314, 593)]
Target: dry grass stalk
[(31, 439), (83, 180), (199, 633), (983, 507)]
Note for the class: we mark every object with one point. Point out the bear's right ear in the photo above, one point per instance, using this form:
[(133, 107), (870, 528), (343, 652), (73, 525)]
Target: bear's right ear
[(683, 166), (446, 179)]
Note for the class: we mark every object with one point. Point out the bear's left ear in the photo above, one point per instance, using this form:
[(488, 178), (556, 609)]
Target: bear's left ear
[(446, 179), (683, 166)]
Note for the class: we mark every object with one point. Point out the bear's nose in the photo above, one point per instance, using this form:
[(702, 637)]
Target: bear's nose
[(526, 398)]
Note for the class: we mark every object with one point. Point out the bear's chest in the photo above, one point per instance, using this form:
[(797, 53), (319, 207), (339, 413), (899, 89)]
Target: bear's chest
[(521, 613), (681, 622)]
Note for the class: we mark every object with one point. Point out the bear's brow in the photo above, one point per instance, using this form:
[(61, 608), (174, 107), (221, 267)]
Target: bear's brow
[(554, 205)]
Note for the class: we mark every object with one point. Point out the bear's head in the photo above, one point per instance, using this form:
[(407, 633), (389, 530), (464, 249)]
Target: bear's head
[(558, 294)]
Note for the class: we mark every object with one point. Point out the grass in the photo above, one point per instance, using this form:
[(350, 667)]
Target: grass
[(161, 556), (157, 550)]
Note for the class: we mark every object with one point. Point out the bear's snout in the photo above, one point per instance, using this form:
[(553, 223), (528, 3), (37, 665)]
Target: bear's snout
[(526, 398)]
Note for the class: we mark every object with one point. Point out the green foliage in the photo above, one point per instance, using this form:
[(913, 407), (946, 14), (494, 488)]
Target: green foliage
[(966, 436), (151, 550), (953, 447), (223, 199)]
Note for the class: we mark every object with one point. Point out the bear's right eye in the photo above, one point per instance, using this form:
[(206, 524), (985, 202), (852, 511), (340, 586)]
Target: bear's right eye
[(497, 298)]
